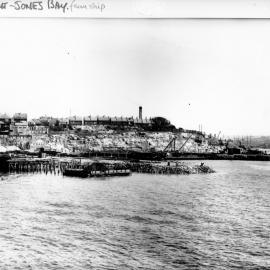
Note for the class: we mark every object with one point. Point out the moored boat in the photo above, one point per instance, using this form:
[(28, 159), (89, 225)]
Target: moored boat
[(83, 173), (75, 172)]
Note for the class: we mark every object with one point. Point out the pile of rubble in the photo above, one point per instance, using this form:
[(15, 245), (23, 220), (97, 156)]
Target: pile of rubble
[(181, 168)]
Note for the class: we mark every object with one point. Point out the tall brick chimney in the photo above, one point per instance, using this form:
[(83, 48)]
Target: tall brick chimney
[(140, 112)]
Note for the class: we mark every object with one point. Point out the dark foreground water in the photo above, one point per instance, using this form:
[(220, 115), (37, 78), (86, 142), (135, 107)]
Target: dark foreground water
[(217, 221)]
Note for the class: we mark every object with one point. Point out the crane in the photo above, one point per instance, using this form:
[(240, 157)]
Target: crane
[(170, 144), (184, 143)]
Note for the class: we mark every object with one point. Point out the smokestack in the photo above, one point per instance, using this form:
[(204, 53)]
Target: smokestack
[(140, 112)]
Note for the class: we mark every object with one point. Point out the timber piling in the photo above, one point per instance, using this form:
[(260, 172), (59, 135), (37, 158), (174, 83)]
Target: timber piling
[(73, 167)]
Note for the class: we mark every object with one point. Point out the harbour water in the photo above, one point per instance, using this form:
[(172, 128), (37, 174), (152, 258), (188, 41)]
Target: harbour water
[(211, 221)]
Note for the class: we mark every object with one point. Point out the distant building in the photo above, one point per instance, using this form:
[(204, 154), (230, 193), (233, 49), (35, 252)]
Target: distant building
[(5, 118), (53, 122), (63, 122), (233, 149), (19, 128), (75, 121), (38, 130), (119, 121), (103, 120), (142, 122), (44, 120), (38, 127), (34, 122), (5, 122), (19, 125), (90, 120), (20, 117), (130, 121)]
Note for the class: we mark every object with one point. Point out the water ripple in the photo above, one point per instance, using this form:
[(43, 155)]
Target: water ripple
[(217, 221)]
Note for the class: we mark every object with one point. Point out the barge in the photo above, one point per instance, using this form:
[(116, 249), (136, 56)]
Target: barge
[(83, 173), (97, 169), (4, 162)]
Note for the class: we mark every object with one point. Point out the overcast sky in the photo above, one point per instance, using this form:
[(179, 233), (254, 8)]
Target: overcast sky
[(210, 72)]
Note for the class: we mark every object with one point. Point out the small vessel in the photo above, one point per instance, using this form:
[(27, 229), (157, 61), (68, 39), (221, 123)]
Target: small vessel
[(96, 170), (83, 173), (75, 172), (4, 158)]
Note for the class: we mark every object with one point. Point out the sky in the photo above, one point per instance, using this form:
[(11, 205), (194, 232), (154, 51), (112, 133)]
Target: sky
[(214, 73)]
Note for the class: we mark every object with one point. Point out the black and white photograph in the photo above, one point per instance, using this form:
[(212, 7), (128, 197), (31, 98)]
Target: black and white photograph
[(133, 141)]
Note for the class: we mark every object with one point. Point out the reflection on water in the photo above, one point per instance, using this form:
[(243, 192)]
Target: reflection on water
[(216, 221)]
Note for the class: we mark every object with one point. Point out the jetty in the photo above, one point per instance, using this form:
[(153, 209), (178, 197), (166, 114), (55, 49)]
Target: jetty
[(97, 169), (94, 168), (34, 165), (67, 167)]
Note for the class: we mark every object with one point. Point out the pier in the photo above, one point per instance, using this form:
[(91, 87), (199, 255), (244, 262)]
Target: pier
[(71, 167), (35, 165), (88, 168)]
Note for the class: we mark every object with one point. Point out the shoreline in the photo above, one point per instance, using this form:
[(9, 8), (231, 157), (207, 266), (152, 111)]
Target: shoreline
[(87, 166), (214, 156), (135, 156)]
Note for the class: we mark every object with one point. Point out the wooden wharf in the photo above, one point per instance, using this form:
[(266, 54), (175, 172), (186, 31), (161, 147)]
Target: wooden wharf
[(70, 167), (34, 165), (77, 168)]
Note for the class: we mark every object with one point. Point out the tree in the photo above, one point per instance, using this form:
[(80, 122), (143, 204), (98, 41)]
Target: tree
[(161, 124)]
